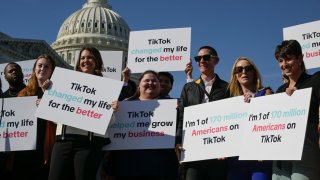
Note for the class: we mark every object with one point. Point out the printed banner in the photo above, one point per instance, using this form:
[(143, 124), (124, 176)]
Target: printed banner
[(79, 100), (160, 50), (275, 127), (213, 130), (143, 125), (26, 67), (18, 126), (308, 35)]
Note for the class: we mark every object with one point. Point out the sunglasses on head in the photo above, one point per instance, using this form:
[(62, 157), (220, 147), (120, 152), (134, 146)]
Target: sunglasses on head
[(206, 57), (239, 69)]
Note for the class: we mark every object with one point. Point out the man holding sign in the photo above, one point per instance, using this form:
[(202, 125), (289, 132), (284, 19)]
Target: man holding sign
[(290, 59), (209, 87)]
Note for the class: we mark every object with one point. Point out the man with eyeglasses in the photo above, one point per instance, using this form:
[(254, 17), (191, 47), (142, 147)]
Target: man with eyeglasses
[(209, 87)]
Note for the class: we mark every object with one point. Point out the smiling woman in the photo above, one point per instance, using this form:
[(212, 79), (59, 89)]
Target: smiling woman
[(290, 58), (35, 164), (144, 164), (77, 153)]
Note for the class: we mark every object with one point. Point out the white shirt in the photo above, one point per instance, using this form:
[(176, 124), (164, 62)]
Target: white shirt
[(208, 86)]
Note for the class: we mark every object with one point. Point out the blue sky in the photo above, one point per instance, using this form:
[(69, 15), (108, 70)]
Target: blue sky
[(234, 28)]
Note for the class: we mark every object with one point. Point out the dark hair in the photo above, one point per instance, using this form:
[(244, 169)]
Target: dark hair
[(137, 93), (149, 72), (18, 70), (12, 63), (167, 74), (133, 89), (289, 48), (97, 58), (211, 49)]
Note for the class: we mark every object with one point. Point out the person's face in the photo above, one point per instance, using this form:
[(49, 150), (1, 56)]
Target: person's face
[(43, 69), (165, 85), (13, 74), (87, 63), (244, 72), (149, 85), (206, 67), (291, 65)]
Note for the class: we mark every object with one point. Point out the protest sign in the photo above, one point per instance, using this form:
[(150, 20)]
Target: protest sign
[(18, 126), (160, 50), (143, 125), (308, 35), (79, 100), (213, 130), (276, 126)]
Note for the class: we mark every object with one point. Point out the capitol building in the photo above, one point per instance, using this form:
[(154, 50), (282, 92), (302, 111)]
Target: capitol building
[(94, 24)]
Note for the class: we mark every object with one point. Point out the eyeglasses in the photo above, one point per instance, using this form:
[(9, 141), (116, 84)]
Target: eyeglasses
[(206, 57), (239, 69)]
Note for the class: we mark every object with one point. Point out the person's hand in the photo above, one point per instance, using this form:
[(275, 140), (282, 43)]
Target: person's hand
[(179, 149), (247, 97), (38, 102), (115, 105), (126, 74), (46, 84), (188, 70), (290, 90)]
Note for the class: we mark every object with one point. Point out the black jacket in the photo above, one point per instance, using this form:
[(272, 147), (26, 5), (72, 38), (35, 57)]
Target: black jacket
[(193, 94)]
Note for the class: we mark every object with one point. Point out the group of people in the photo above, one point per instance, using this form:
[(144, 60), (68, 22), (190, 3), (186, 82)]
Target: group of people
[(64, 152)]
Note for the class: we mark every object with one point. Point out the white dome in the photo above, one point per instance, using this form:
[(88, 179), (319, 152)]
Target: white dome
[(95, 24)]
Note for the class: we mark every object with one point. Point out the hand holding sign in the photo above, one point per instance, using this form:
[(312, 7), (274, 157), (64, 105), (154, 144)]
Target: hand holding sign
[(161, 50)]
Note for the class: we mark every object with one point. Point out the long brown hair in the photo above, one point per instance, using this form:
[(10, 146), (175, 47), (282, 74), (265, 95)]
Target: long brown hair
[(97, 58), (32, 87)]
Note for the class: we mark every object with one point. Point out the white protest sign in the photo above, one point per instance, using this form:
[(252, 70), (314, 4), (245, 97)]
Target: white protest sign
[(276, 126), (18, 126), (79, 100), (160, 50), (213, 130), (143, 125), (26, 67), (112, 63), (308, 35)]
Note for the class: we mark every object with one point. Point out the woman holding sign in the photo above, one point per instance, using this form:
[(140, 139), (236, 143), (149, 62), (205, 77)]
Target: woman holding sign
[(290, 58), (144, 164), (35, 164), (246, 81), (77, 153)]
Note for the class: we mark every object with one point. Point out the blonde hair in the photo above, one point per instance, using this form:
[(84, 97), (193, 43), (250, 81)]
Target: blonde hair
[(235, 87)]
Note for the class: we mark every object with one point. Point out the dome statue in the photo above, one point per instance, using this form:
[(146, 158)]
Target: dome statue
[(95, 24)]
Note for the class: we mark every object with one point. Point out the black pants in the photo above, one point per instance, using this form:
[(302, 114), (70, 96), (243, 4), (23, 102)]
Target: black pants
[(206, 170), (76, 158)]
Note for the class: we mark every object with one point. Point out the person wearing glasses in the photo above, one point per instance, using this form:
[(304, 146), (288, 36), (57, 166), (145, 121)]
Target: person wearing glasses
[(290, 58), (245, 80), (208, 87)]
